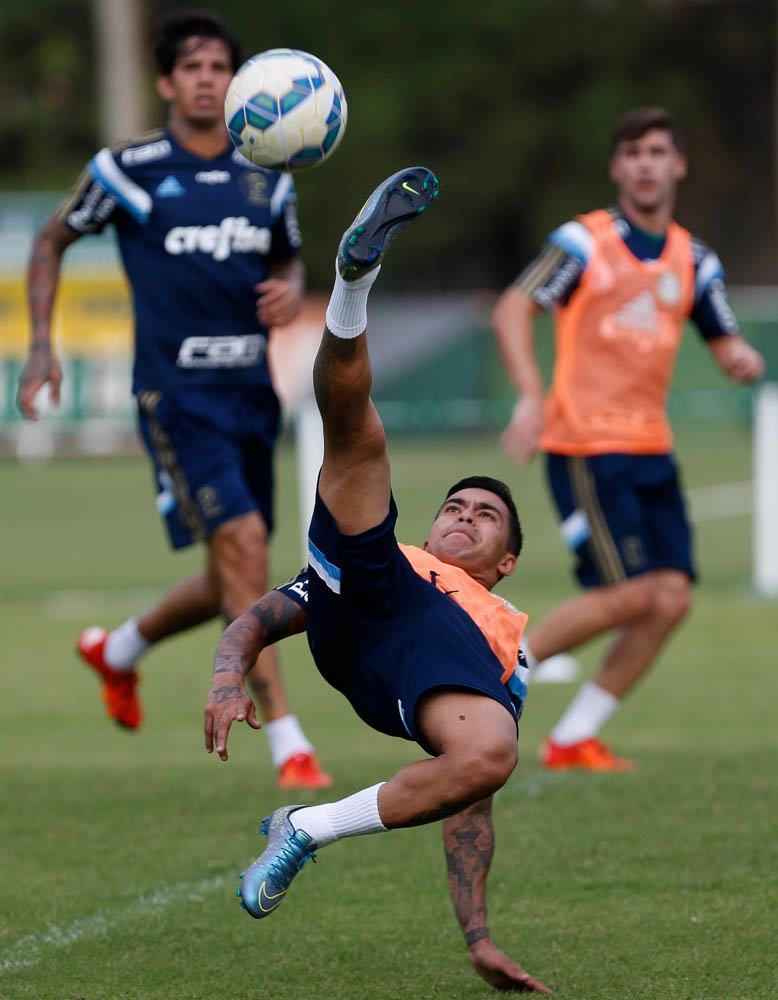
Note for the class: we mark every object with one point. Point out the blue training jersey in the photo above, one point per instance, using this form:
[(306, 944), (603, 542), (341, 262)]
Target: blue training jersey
[(195, 236)]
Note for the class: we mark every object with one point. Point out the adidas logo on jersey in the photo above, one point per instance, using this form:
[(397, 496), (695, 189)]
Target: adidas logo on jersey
[(640, 313), (171, 187)]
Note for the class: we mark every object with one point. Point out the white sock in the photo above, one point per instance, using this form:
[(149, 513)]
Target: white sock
[(286, 738), (586, 715), (347, 310), (124, 646), (350, 817)]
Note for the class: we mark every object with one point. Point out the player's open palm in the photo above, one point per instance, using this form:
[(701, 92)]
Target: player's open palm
[(502, 972), (521, 436)]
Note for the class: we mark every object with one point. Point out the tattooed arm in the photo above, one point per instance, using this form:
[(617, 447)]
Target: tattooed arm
[(42, 366), (468, 839), (273, 617)]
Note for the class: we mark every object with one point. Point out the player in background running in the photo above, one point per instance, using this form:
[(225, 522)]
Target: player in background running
[(622, 283), (210, 245)]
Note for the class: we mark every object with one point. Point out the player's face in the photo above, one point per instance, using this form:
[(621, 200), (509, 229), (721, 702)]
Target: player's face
[(647, 171), (198, 82), (471, 531)]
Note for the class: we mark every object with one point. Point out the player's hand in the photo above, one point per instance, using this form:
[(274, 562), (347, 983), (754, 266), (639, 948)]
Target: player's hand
[(279, 301), (41, 368), (500, 971), (521, 436), (737, 358), (227, 702)]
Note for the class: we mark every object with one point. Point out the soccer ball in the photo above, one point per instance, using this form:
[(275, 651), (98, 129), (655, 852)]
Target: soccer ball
[(285, 110)]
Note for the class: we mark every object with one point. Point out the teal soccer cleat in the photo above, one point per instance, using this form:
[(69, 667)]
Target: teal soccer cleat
[(397, 201), (266, 882)]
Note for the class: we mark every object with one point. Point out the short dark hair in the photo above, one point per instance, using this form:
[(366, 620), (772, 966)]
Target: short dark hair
[(500, 489), (172, 30), (638, 121)]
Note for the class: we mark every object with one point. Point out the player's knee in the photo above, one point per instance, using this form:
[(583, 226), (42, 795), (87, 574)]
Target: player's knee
[(673, 599), (490, 766), (627, 601), (239, 554)]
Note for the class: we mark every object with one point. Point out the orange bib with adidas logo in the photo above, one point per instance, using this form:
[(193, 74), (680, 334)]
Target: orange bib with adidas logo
[(616, 343)]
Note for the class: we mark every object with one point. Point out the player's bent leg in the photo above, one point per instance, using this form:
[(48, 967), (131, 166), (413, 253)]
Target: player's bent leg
[(590, 614), (573, 742), (475, 741)]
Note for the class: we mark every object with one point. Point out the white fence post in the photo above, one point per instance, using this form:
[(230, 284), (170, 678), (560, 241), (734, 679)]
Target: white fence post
[(766, 490)]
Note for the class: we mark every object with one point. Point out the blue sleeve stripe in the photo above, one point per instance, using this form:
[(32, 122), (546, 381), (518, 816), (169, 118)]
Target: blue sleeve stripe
[(328, 572), (575, 239), (708, 270), (129, 195), (283, 189)]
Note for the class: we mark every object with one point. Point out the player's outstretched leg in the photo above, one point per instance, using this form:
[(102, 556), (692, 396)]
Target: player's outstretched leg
[(395, 202), (265, 883)]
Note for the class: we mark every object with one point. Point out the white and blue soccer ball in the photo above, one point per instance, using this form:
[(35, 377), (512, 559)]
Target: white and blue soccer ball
[(285, 110)]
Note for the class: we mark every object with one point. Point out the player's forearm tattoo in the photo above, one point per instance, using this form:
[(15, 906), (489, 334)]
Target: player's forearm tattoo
[(42, 280), (468, 839), (273, 617)]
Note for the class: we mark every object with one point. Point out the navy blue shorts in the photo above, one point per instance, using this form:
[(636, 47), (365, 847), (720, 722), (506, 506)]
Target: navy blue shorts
[(212, 452), (382, 635), (622, 515)]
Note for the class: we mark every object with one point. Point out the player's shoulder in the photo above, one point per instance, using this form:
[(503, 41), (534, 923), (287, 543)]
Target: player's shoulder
[(707, 264), (575, 237), (145, 147)]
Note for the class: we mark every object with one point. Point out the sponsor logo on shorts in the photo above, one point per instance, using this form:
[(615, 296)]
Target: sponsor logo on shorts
[(210, 502), (221, 352)]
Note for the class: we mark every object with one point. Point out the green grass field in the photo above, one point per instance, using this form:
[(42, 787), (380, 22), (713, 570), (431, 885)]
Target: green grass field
[(120, 850)]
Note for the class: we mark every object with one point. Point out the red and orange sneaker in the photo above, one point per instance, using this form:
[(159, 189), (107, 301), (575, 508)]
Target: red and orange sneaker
[(121, 702), (591, 755), (303, 771)]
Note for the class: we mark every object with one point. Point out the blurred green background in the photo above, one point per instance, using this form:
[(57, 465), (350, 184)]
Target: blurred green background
[(512, 102)]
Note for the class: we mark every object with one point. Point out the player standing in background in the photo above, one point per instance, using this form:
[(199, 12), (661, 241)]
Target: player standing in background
[(413, 638), (622, 283), (210, 245)]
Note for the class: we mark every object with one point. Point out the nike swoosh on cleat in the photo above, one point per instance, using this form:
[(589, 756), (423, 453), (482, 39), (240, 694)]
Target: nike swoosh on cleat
[(407, 187), (263, 898)]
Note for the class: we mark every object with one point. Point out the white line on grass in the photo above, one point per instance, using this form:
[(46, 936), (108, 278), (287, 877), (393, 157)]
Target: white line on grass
[(34, 948), (68, 605)]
